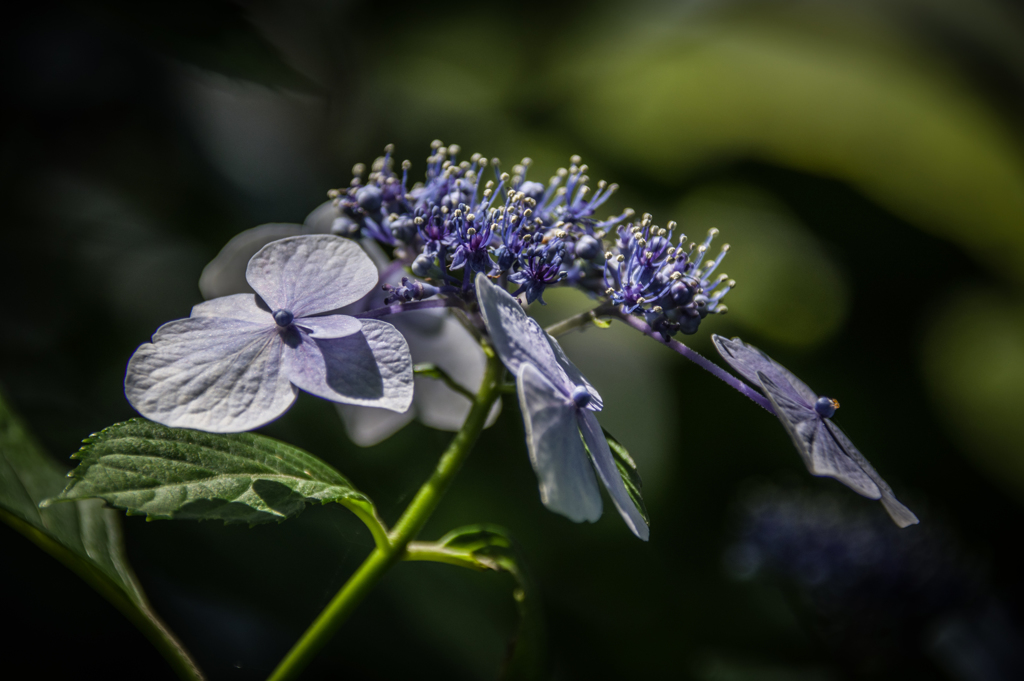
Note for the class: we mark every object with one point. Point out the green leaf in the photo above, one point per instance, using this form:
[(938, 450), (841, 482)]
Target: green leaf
[(83, 535), (630, 476), (162, 472), (489, 547)]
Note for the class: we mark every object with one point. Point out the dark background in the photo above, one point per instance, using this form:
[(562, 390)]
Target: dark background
[(863, 159)]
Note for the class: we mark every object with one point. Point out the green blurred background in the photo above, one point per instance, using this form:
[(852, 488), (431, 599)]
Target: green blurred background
[(865, 160)]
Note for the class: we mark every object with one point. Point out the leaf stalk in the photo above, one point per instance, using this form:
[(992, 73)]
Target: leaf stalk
[(389, 552)]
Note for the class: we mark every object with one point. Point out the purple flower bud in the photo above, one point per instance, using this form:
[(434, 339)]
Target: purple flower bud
[(403, 228), (505, 257), (658, 245), (681, 293), (533, 190), (345, 226), (700, 304), (587, 247), (456, 198), (369, 198), (422, 265), (688, 324), (411, 289), (644, 270)]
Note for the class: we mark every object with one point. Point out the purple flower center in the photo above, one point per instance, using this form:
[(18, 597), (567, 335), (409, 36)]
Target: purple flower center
[(581, 396), (826, 406), (283, 318)]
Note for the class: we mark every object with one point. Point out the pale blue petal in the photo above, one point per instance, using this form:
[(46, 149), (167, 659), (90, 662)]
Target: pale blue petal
[(244, 306), (426, 324), (821, 453), (596, 403), (225, 274), (748, 360), (381, 260), (824, 448), (375, 298), (831, 460), (322, 218), (440, 407), (434, 336), (609, 473), (566, 477), (372, 368), (367, 426), (330, 326), (828, 452), (900, 514), (311, 274), (517, 338), (213, 374)]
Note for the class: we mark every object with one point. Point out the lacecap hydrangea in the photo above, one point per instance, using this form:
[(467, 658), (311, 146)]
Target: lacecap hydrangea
[(469, 217), (471, 227)]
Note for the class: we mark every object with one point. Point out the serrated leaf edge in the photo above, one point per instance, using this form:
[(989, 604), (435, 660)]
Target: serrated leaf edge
[(354, 500)]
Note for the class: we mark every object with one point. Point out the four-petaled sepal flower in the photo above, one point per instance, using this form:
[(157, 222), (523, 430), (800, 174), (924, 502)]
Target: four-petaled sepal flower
[(824, 448), (558, 406), (238, 362), (433, 336)]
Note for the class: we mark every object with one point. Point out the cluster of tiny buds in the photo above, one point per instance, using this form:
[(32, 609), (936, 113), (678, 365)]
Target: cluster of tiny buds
[(458, 223), (669, 285)]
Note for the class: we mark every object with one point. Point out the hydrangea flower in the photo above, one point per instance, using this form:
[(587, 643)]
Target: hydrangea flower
[(558, 405), (238, 362), (458, 224), (824, 448), (434, 336), (672, 287)]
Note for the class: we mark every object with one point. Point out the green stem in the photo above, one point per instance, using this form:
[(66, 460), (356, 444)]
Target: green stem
[(431, 552), (430, 493), (431, 370), (580, 320), (408, 526), (368, 514)]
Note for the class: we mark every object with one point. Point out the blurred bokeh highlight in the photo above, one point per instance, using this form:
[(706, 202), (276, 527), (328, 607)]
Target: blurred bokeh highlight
[(864, 159)]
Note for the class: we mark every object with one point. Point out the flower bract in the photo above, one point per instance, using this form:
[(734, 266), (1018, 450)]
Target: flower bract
[(434, 336), (824, 448), (239, 361), (558, 407)]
